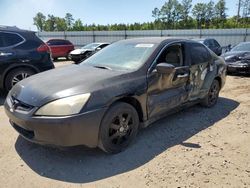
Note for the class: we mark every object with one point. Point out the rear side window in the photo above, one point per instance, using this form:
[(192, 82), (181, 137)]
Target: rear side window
[(216, 43), (9, 39), (198, 53)]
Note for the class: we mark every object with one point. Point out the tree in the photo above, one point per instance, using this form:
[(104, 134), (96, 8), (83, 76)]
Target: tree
[(50, 24), (209, 14), (69, 20), (170, 13), (78, 26), (184, 11), (61, 24), (156, 14), (220, 13), (199, 12), (39, 21), (246, 8)]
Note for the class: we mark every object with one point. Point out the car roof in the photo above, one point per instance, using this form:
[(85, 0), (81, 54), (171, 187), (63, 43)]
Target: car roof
[(154, 40), (58, 40), (13, 29)]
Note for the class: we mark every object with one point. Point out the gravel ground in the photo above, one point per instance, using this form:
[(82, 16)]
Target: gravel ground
[(196, 147)]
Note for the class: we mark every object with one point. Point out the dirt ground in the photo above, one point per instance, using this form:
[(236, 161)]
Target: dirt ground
[(196, 147)]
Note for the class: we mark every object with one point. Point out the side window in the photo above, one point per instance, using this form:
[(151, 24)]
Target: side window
[(51, 42), (9, 39), (1, 40), (172, 55), (103, 45), (198, 53), (210, 43)]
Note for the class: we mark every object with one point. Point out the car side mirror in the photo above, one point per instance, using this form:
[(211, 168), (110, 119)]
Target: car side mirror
[(97, 49), (165, 68)]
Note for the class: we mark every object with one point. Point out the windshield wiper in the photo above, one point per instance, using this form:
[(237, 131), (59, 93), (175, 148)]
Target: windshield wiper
[(102, 67)]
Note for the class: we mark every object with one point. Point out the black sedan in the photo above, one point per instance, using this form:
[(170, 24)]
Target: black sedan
[(238, 59), (106, 99)]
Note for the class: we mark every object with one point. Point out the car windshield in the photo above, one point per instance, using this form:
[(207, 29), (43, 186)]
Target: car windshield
[(91, 46), (122, 56), (242, 47)]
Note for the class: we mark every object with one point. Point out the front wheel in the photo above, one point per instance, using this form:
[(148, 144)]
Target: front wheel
[(119, 127), (16, 76), (211, 99)]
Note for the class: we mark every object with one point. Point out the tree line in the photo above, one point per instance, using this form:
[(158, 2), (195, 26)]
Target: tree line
[(172, 15)]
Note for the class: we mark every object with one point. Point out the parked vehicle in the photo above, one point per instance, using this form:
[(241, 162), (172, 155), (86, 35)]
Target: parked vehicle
[(212, 44), (238, 59), (127, 85), (60, 48), (22, 54), (86, 51)]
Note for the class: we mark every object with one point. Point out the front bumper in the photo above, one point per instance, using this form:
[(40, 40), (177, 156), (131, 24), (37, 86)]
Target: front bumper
[(238, 68), (81, 129), (78, 57)]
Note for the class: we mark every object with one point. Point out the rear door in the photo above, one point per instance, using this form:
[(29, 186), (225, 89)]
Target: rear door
[(200, 60), (167, 91)]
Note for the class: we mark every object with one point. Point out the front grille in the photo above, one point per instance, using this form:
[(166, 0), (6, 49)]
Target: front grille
[(23, 132), (19, 105)]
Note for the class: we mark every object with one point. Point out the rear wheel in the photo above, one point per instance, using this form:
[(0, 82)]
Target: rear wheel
[(119, 127), (211, 99), (16, 75)]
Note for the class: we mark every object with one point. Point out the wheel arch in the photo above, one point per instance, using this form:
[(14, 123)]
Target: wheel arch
[(13, 67), (133, 102)]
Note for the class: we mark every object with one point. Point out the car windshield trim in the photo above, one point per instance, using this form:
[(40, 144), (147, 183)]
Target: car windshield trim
[(91, 46)]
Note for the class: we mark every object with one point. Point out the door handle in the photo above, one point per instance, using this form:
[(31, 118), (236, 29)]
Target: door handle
[(5, 54), (182, 75)]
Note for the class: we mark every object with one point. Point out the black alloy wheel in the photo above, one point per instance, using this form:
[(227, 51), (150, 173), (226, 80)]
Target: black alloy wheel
[(119, 127)]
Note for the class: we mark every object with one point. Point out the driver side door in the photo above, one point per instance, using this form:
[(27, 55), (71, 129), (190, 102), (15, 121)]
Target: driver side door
[(166, 91)]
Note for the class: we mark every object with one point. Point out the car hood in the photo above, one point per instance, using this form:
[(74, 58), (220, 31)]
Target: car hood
[(236, 56), (80, 51), (63, 82)]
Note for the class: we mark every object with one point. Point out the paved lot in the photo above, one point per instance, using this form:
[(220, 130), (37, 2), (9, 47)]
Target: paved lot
[(196, 147)]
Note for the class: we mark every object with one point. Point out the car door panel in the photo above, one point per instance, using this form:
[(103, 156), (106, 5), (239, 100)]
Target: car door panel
[(199, 68), (167, 91)]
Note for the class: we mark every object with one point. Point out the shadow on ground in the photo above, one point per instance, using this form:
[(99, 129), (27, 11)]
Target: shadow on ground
[(82, 165)]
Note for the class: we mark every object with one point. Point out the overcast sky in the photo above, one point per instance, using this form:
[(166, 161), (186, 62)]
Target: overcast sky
[(21, 12)]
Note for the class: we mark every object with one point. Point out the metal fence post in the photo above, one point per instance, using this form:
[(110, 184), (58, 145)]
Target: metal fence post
[(64, 35), (245, 37), (125, 36), (93, 35)]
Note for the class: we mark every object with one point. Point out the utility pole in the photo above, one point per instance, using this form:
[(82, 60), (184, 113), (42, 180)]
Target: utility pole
[(238, 14)]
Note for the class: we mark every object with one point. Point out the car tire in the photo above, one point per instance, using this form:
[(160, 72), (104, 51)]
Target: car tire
[(211, 99), (119, 128), (17, 75)]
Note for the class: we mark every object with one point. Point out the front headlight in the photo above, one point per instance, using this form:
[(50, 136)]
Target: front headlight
[(65, 106)]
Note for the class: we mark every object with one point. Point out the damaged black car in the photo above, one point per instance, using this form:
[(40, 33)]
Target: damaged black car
[(104, 101), (238, 59)]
